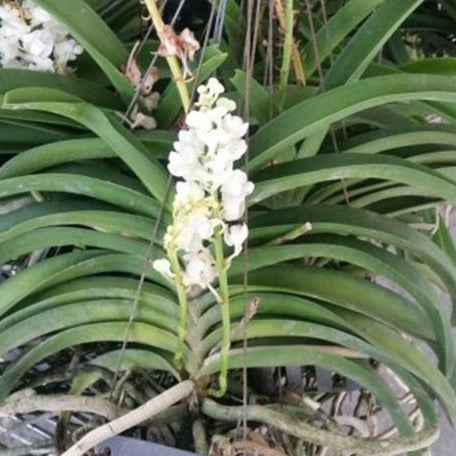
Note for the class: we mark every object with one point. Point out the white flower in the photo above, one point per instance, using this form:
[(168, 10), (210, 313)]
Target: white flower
[(200, 269), (187, 193), (31, 38), (234, 192), (235, 235), (38, 43), (234, 126), (214, 87), (194, 229), (199, 120), (209, 93), (184, 161), (9, 49), (226, 104), (66, 51), (41, 64), (163, 266), (38, 15)]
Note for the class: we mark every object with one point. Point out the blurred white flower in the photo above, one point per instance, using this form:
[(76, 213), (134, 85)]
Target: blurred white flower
[(30, 38), (64, 52), (234, 191), (194, 229), (199, 120), (235, 236), (200, 269), (163, 266), (209, 93), (187, 193)]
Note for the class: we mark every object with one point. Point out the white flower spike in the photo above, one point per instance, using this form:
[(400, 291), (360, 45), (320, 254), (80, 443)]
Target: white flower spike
[(212, 192)]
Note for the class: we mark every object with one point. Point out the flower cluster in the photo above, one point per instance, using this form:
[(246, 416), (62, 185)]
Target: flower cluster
[(210, 198), (31, 38)]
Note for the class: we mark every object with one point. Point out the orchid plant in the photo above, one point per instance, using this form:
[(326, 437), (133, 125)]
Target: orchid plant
[(208, 205), (81, 186)]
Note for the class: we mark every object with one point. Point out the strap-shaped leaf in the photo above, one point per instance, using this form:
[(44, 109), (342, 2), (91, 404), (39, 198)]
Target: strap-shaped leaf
[(347, 220), (134, 358), (94, 289), (119, 139), (97, 332), (80, 313), (378, 262), (15, 78), (329, 36), (129, 225), (321, 110), (57, 152), (64, 236), (81, 185), (384, 349), (368, 41), (340, 289), (328, 167)]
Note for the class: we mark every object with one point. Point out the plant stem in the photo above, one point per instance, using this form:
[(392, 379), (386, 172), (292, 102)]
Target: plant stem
[(182, 298), (295, 57), (226, 320), (172, 61), (287, 50)]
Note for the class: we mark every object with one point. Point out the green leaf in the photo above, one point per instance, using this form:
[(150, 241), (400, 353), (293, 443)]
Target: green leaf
[(13, 78), (347, 220), (321, 110), (119, 139), (64, 236), (19, 286), (55, 213), (80, 313), (97, 332), (329, 167), (133, 359), (338, 27), (340, 289), (387, 139), (378, 262), (260, 98), (94, 289), (389, 347), (368, 41), (81, 185)]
